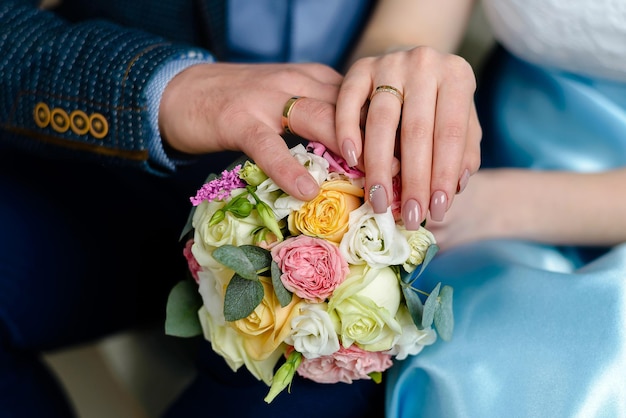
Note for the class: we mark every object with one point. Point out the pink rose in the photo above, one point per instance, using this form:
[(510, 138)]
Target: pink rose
[(311, 267), (336, 163), (345, 365), (194, 267)]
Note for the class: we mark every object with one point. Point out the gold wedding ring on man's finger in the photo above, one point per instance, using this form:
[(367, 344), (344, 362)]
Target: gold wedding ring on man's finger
[(286, 112), (384, 88)]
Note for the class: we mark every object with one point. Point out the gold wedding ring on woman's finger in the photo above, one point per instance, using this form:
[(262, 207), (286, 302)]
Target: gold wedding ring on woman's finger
[(384, 88), (286, 112)]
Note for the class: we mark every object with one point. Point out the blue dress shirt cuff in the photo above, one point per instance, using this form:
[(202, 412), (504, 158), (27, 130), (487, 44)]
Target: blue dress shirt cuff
[(154, 92)]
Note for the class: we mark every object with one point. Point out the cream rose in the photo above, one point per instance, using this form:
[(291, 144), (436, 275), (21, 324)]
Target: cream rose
[(373, 239), (212, 283), (326, 216), (265, 329), (364, 307), (418, 241), (229, 344), (312, 331), (230, 230)]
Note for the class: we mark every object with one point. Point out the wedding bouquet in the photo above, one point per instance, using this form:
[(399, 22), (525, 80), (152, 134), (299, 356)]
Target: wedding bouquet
[(326, 286)]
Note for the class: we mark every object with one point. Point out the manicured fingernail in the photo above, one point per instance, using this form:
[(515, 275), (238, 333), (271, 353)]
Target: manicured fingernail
[(411, 215), (307, 186), (349, 153), (438, 205), (378, 198), (463, 181)]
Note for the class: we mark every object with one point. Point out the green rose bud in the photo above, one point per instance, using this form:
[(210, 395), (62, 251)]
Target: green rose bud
[(269, 220), (284, 375), (241, 208), (217, 217), (252, 174)]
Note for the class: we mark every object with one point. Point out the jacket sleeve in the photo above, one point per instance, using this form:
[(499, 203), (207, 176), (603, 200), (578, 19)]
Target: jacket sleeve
[(80, 89)]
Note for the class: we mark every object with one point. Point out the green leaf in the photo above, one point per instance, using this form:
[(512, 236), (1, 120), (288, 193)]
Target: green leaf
[(182, 307), (259, 257), (241, 297), (283, 295), (188, 228), (430, 254), (235, 258), (444, 316), (430, 306), (414, 303)]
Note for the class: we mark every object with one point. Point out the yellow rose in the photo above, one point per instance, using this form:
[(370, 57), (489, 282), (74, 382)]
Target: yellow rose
[(326, 216), (228, 343), (364, 307), (265, 329)]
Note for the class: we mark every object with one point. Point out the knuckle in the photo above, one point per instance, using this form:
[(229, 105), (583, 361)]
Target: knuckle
[(362, 64), (452, 133), (416, 129), (458, 68), (320, 111)]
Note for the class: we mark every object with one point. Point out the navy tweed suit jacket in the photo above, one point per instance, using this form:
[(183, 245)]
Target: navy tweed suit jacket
[(73, 79)]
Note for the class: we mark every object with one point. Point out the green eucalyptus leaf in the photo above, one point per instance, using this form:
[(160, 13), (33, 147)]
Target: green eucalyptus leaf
[(241, 298), (283, 295), (414, 303), (260, 258), (182, 307), (430, 254), (235, 258), (444, 316), (430, 306), (188, 228)]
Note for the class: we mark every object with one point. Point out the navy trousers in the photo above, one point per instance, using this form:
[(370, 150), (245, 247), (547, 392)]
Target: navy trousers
[(87, 250)]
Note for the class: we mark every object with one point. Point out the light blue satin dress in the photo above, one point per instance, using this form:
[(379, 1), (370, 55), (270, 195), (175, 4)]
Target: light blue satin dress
[(540, 331)]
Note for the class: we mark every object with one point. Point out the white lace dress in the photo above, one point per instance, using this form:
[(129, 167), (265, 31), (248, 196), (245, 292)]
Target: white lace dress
[(584, 36)]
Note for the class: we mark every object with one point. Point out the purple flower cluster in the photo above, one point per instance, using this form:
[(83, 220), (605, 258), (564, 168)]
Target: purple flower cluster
[(219, 188)]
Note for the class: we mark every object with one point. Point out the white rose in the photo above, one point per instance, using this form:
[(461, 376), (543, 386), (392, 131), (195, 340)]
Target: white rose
[(373, 239), (313, 333), (228, 343), (412, 340), (418, 241)]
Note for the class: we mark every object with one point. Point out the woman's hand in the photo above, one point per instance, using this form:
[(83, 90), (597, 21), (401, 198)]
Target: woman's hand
[(216, 107), (482, 211), (423, 124)]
